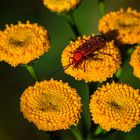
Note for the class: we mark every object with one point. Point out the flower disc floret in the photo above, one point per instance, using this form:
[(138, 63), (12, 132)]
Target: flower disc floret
[(22, 43), (122, 26), (60, 6), (135, 61), (51, 105), (98, 66), (116, 106)]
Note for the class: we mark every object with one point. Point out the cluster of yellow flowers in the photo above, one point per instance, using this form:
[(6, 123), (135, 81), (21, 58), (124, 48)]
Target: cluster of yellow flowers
[(54, 105), (51, 105), (61, 6), (22, 43), (135, 61), (116, 106), (122, 26)]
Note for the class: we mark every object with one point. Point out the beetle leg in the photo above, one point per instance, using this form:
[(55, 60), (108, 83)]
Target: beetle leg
[(85, 65), (92, 57), (104, 53)]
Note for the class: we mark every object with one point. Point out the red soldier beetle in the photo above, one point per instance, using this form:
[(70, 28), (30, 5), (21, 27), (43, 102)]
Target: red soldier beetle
[(85, 50)]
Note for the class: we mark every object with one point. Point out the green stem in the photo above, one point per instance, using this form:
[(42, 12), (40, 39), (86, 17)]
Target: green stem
[(101, 7), (98, 131), (99, 134), (130, 51), (75, 131), (105, 134), (118, 73), (32, 71), (116, 76), (71, 21)]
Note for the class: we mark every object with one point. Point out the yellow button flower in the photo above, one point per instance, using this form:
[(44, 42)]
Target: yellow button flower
[(51, 105), (135, 62), (116, 106), (98, 66), (22, 43), (60, 6), (123, 26)]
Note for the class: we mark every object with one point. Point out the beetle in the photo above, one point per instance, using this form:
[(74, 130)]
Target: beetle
[(85, 50)]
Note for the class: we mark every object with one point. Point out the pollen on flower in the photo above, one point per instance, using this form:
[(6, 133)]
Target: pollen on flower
[(122, 26), (135, 61), (116, 106), (22, 43), (51, 105), (60, 6), (98, 66)]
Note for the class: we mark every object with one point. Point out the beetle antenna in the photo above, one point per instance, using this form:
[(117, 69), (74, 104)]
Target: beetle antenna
[(65, 67)]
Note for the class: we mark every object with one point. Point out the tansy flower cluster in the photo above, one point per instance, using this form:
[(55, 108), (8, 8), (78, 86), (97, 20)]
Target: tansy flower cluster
[(51, 105), (122, 26), (100, 65), (22, 43), (135, 61), (116, 106), (60, 6)]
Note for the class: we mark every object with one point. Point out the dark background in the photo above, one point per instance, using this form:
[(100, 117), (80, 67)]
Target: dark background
[(13, 81)]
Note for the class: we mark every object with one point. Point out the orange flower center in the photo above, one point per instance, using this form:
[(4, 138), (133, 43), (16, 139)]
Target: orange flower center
[(115, 105), (16, 42)]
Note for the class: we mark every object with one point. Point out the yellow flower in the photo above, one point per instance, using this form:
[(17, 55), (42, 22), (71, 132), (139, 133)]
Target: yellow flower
[(51, 105), (60, 6), (98, 66), (116, 106), (123, 26), (135, 62), (22, 43)]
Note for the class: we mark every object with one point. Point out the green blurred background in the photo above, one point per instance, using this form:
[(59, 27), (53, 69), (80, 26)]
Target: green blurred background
[(13, 81)]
